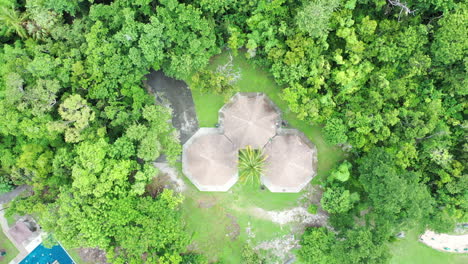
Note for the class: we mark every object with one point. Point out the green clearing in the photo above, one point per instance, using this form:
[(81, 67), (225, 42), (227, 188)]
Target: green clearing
[(11, 250), (213, 218), (218, 221), (208, 214), (257, 80), (410, 251)]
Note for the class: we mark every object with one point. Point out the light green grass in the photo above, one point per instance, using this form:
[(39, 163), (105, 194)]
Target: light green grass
[(75, 256), (209, 226), (6, 244), (11, 220), (410, 251)]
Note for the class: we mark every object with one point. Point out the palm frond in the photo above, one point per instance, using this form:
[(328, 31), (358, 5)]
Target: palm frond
[(251, 165), (13, 21)]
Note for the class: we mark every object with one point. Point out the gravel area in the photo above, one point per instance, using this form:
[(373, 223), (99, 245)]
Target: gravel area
[(296, 214), (445, 242)]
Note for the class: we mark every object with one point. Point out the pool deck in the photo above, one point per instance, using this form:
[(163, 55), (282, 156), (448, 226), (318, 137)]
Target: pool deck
[(26, 247)]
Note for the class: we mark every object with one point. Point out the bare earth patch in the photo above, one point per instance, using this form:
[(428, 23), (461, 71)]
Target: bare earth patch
[(296, 214), (93, 255), (232, 230), (206, 203), (280, 248), (175, 181)]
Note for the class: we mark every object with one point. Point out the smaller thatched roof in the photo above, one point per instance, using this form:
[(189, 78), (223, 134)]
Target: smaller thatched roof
[(249, 119), (291, 162), (209, 160)]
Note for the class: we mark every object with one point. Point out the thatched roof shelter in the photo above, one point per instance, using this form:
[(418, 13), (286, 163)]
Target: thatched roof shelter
[(249, 119), (209, 160), (210, 156), (291, 161)]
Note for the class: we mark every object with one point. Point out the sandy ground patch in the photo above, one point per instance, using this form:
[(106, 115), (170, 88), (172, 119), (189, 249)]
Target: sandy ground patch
[(444, 242), (296, 214), (281, 247)]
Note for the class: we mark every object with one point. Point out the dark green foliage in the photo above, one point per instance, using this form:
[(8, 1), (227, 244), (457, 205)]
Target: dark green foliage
[(359, 245), (386, 81), (5, 183), (338, 200), (79, 128), (335, 131), (317, 245), (193, 258), (396, 196)]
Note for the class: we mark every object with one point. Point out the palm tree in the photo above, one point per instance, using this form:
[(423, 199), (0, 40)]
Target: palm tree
[(12, 21), (251, 165)]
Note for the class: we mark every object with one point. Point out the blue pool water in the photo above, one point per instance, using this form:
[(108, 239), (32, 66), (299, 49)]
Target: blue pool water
[(43, 255)]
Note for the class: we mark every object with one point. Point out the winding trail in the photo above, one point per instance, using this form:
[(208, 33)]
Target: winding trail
[(445, 242)]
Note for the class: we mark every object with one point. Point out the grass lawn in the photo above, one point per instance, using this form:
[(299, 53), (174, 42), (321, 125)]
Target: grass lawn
[(410, 251), (11, 250), (219, 222), (10, 220), (75, 256)]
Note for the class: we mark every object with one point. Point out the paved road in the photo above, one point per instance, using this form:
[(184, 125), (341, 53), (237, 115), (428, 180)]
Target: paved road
[(7, 197), (176, 95)]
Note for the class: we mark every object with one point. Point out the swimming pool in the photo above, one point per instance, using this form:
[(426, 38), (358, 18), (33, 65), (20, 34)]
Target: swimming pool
[(43, 255)]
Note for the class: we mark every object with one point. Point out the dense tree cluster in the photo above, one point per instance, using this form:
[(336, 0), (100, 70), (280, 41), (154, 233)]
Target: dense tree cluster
[(78, 126), (386, 79)]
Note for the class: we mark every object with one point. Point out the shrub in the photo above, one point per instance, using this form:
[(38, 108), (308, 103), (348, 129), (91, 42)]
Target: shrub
[(312, 209)]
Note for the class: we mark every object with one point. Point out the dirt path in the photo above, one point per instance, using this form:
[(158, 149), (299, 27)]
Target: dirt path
[(444, 242)]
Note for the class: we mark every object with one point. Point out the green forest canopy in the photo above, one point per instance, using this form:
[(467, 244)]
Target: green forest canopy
[(386, 79)]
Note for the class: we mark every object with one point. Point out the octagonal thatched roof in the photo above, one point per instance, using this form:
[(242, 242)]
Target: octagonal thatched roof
[(249, 119), (209, 160), (291, 162)]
